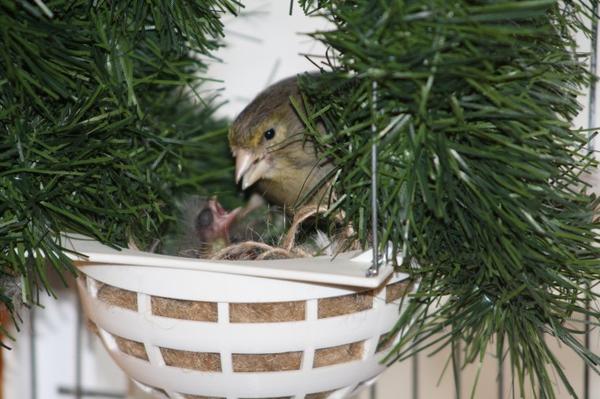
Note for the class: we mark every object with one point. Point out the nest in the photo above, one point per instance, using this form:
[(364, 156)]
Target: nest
[(253, 250), (274, 312), (290, 248)]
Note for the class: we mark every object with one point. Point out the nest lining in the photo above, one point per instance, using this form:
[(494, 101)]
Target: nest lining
[(266, 362), (269, 312), (184, 310), (118, 297), (338, 354), (385, 341), (131, 348), (201, 361), (249, 363), (273, 312), (341, 305)]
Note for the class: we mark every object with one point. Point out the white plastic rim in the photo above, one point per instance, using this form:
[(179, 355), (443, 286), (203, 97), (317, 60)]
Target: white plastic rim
[(227, 338)]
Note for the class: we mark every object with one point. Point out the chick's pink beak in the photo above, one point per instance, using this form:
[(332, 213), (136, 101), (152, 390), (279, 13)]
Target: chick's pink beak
[(222, 218), (225, 221)]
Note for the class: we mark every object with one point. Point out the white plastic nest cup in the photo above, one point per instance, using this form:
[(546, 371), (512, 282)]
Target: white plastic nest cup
[(330, 344)]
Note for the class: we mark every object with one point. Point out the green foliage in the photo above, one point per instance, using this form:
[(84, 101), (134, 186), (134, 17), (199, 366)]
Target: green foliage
[(479, 167), (98, 125)]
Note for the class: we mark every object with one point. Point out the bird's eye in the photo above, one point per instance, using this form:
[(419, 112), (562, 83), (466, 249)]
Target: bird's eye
[(204, 219), (269, 134)]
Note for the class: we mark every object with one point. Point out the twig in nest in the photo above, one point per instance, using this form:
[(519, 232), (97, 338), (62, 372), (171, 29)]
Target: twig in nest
[(252, 250), (303, 213)]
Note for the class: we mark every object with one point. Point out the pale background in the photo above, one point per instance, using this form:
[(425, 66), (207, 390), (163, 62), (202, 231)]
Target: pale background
[(263, 47)]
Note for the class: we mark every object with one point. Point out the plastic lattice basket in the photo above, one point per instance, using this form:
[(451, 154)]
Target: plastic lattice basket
[(193, 328)]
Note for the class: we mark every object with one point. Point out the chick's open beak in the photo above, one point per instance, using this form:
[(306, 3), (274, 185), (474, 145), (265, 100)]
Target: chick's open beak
[(248, 168), (226, 220), (222, 220)]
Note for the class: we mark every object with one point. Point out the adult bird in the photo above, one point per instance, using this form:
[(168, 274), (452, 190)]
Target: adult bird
[(274, 154)]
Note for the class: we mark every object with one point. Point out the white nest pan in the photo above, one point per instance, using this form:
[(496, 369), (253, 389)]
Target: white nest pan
[(323, 348)]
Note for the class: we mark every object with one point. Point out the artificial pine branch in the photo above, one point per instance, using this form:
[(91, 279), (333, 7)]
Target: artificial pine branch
[(98, 126), (480, 168)]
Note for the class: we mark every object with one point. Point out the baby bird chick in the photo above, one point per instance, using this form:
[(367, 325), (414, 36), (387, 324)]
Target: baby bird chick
[(207, 227), (273, 152)]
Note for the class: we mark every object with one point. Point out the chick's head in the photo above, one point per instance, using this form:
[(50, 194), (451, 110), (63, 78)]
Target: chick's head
[(271, 149), (205, 227), (212, 222)]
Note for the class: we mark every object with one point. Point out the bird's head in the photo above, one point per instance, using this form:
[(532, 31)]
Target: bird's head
[(266, 136), (205, 226)]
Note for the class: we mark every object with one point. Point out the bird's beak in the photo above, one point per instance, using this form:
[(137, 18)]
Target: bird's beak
[(227, 219), (248, 168), (222, 219), (243, 160)]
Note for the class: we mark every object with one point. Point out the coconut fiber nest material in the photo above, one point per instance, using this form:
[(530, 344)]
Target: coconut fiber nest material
[(274, 312)]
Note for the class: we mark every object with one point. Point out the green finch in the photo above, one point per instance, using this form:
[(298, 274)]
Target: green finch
[(273, 153)]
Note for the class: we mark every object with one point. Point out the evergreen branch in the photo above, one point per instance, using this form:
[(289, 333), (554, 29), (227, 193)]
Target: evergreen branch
[(98, 131), (481, 183)]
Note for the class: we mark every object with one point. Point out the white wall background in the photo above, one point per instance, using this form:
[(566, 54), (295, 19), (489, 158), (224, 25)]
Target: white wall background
[(263, 47)]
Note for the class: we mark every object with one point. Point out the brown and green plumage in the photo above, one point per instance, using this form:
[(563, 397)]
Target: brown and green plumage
[(272, 151)]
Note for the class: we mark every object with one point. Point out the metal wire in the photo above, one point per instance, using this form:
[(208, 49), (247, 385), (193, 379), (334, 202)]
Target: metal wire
[(374, 269), (373, 391), (79, 351), (415, 376), (586, 368), (593, 70), (456, 368), (591, 124), (500, 377), (541, 392), (32, 353), (91, 393)]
